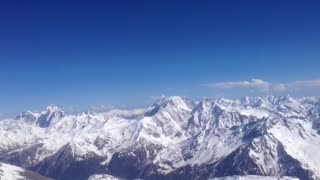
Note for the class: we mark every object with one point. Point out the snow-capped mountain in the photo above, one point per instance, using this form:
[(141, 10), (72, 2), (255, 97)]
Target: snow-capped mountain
[(176, 138)]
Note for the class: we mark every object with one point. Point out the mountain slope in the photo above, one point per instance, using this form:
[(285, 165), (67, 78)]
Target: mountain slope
[(9, 172)]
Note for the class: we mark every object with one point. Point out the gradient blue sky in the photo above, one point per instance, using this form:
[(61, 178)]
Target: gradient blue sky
[(115, 52)]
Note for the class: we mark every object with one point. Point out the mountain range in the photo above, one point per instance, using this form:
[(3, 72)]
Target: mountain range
[(175, 138)]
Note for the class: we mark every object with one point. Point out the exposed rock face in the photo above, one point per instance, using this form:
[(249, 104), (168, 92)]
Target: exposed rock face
[(176, 138), (65, 165)]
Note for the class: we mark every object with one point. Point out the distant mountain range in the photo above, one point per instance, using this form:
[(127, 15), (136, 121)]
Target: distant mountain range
[(175, 138)]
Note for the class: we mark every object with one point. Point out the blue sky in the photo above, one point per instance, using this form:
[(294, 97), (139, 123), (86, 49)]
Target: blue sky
[(90, 53)]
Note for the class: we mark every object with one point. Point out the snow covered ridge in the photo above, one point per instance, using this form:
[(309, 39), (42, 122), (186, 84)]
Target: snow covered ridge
[(103, 177), (175, 138), (9, 172), (245, 177), (251, 177)]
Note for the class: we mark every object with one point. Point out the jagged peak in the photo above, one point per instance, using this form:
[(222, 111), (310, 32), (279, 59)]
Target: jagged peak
[(202, 105), (245, 99), (174, 100), (25, 113), (53, 112), (55, 108), (28, 116), (224, 99), (178, 102), (285, 98)]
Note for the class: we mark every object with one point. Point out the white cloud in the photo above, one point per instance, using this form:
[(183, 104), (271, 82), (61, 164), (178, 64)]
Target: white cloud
[(253, 83), (264, 86), (280, 88), (305, 84), (101, 108), (158, 97)]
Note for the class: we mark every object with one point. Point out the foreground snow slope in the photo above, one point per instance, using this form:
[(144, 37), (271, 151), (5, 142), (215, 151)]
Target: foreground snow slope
[(253, 177), (9, 172), (174, 138)]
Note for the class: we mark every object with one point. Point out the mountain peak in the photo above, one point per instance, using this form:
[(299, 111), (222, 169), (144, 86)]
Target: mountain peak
[(53, 113), (172, 99), (28, 116), (55, 108), (176, 102)]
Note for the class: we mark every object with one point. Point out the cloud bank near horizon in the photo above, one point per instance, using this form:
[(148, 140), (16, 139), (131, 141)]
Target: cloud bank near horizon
[(265, 86)]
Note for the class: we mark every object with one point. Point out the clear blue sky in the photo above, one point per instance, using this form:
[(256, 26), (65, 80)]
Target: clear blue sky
[(114, 52)]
